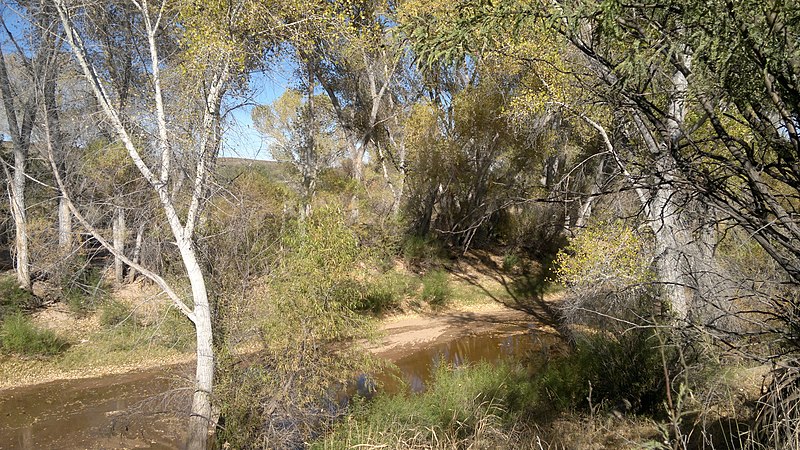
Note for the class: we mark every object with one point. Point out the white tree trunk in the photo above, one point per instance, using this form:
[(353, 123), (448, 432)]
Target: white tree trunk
[(119, 234), (64, 225), (200, 416), (21, 257), (20, 136), (200, 419), (671, 264), (137, 252)]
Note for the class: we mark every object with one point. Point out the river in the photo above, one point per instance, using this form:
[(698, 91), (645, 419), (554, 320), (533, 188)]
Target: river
[(143, 409)]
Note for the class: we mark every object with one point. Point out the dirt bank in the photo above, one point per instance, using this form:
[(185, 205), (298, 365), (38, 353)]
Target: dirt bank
[(405, 333)]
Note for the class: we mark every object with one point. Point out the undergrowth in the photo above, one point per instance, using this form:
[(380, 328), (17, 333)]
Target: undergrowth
[(13, 299), (466, 404), (436, 288), (21, 336), (85, 291)]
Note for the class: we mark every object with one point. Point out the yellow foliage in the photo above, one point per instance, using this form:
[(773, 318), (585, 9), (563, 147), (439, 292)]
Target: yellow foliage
[(606, 254)]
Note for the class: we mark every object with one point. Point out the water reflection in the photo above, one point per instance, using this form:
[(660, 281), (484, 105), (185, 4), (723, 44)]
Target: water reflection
[(417, 369)]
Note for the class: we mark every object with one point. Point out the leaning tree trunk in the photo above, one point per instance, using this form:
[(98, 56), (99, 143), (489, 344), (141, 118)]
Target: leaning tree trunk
[(64, 225)]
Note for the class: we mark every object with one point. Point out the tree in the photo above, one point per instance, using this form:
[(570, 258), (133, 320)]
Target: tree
[(158, 24), (300, 129), (468, 162), (34, 63), (648, 129)]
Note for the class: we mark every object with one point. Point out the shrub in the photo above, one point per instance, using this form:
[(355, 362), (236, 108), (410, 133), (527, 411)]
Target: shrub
[(307, 303), (12, 297), (436, 288), (19, 335), (606, 270), (420, 250), (624, 373), (387, 291), (510, 261), (85, 291), (380, 297)]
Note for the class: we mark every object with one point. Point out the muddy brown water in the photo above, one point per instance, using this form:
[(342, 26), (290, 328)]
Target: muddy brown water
[(143, 410), (135, 410)]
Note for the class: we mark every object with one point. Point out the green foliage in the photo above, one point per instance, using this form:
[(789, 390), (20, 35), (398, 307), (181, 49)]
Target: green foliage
[(436, 288), (173, 331), (388, 290), (12, 298), (624, 373), (461, 403), (19, 335), (308, 306), (421, 250), (467, 161), (107, 164), (607, 275), (510, 261), (605, 253)]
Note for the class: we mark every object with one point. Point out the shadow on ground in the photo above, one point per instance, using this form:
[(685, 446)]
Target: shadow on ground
[(525, 288)]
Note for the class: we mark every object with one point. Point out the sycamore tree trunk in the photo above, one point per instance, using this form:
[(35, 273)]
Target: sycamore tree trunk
[(200, 419), (684, 240), (20, 131), (685, 259), (119, 232), (158, 177), (64, 225), (21, 257), (137, 252), (672, 264)]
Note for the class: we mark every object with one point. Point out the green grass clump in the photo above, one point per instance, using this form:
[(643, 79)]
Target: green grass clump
[(19, 335), (421, 250), (510, 261), (173, 331), (387, 291), (13, 298), (436, 288), (461, 405)]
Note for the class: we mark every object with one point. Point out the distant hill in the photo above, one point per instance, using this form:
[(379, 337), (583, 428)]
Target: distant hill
[(277, 170)]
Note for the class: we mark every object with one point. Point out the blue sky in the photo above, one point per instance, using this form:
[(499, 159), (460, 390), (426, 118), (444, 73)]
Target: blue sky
[(241, 140)]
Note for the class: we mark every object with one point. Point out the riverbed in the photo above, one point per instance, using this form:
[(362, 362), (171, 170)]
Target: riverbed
[(147, 409)]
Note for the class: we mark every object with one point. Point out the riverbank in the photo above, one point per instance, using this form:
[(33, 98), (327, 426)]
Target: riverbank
[(400, 334), (149, 334)]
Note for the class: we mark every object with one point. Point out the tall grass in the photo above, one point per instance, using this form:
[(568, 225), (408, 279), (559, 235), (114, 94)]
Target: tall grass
[(387, 291), (19, 335), (436, 288), (466, 407), (13, 299)]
